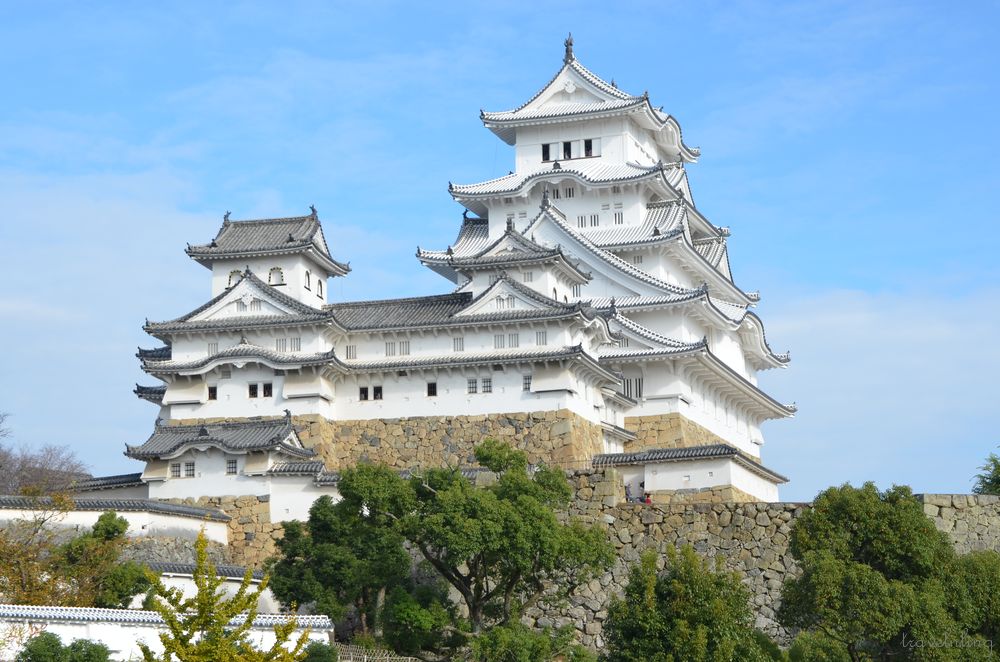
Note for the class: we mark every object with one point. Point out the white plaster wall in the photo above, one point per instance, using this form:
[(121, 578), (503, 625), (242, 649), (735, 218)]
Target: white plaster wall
[(294, 268), (140, 523), (293, 496), (686, 475), (210, 477), (751, 483), (266, 603)]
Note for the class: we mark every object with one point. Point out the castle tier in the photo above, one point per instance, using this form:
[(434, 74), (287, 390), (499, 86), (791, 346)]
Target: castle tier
[(594, 320)]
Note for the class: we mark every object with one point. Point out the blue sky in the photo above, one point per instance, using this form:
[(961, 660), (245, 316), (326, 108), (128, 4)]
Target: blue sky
[(850, 146)]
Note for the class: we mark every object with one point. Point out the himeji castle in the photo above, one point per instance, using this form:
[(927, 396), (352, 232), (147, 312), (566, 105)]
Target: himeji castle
[(592, 319)]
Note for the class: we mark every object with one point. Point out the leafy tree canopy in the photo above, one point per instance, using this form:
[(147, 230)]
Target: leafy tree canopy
[(48, 647), (688, 613), (988, 482)]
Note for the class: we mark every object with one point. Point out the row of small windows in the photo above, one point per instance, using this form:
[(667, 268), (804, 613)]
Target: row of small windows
[(473, 385), (280, 345), (402, 347), (570, 192), (594, 220), (391, 347), (189, 469), (257, 390), (571, 149)]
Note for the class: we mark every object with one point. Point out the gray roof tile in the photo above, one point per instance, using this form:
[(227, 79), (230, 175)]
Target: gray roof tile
[(100, 615), (106, 482), (119, 505), (241, 436), (710, 451)]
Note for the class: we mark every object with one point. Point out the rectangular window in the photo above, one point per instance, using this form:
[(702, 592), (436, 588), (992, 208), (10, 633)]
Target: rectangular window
[(281, 344), (404, 347), (522, 214), (213, 348), (213, 392), (619, 217), (189, 469), (230, 467), (472, 385), (541, 338), (487, 384), (581, 220), (363, 393), (567, 150), (555, 194), (458, 344), (546, 155), (376, 392), (432, 389), (528, 276), (616, 189), (390, 348), (295, 344), (513, 340), (498, 341), (632, 387), (595, 220), (526, 383), (226, 374), (268, 389), (623, 342), (618, 205), (588, 147), (569, 192), (252, 390), (255, 305), (351, 351), (636, 259), (175, 470), (508, 201), (576, 290), (605, 207)]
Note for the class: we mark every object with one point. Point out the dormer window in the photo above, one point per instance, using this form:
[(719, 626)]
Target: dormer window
[(275, 276), (308, 281), (235, 277)]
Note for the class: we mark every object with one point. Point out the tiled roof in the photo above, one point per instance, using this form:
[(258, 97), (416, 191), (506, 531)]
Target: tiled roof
[(137, 616), (626, 354), (241, 436), (563, 110), (151, 393), (399, 313), (648, 334), (499, 356), (244, 350), (301, 313), (106, 482), (223, 570), (655, 455), (270, 236), (590, 171), (119, 505), (155, 353), (297, 468), (662, 222)]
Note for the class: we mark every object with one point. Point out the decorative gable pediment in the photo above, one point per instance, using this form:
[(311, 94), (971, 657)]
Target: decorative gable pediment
[(247, 297), (505, 296)]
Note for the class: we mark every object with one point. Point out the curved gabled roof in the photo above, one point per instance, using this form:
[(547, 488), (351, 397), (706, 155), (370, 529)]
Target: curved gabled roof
[(269, 236), (239, 436), (711, 451), (243, 352), (590, 172)]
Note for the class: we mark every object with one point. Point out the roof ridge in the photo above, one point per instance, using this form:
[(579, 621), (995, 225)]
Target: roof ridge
[(371, 302)]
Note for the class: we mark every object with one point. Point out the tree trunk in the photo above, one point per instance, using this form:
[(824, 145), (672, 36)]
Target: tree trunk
[(379, 603)]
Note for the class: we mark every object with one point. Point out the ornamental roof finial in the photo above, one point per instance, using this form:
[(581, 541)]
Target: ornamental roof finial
[(569, 57), (225, 217), (312, 208), (288, 414), (614, 307)]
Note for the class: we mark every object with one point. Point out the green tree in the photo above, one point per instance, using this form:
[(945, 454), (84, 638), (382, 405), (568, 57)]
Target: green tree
[(343, 556), (320, 652), (873, 578), (688, 613), (211, 627), (515, 642), (48, 647), (92, 562), (988, 482)]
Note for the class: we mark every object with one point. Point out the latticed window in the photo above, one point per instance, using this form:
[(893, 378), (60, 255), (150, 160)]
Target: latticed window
[(404, 347), (376, 393), (390, 348), (281, 344), (231, 467), (472, 385), (458, 344), (526, 383), (513, 340), (189, 469), (351, 351), (213, 348), (252, 390), (487, 384), (295, 344), (498, 341), (541, 338), (175, 470), (268, 390)]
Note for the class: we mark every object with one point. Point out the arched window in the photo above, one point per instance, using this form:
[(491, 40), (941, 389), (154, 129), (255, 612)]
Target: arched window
[(275, 276), (308, 281), (555, 295), (319, 288), (235, 277)]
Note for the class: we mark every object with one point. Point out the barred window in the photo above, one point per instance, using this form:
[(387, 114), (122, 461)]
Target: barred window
[(472, 385), (281, 344), (595, 220), (390, 348), (581, 220), (526, 383), (376, 393), (569, 192), (268, 390), (252, 390), (295, 344), (576, 290), (213, 348), (498, 341), (231, 467), (363, 393), (351, 351), (637, 259), (175, 470), (458, 344), (213, 392), (541, 338), (513, 340), (432, 389), (632, 387), (189, 469), (619, 217), (255, 305), (241, 307), (487, 384), (528, 276), (404, 347)]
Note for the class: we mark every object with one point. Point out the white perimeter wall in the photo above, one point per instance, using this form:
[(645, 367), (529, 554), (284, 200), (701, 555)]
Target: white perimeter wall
[(140, 523)]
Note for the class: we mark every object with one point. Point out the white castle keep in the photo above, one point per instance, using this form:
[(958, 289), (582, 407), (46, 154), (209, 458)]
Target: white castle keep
[(593, 321)]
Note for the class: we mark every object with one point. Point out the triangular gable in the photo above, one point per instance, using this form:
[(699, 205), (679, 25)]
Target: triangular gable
[(573, 83), (506, 295), (250, 296)]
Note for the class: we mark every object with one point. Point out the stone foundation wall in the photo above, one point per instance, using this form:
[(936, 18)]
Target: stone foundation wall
[(556, 437), (719, 494), (667, 431), (752, 538), (252, 535)]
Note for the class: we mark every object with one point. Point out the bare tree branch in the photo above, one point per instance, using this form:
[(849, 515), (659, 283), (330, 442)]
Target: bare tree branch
[(46, 470)]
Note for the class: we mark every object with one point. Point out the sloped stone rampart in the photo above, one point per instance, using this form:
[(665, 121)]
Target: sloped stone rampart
[(667, 431), (252, 535), (751, 538)]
